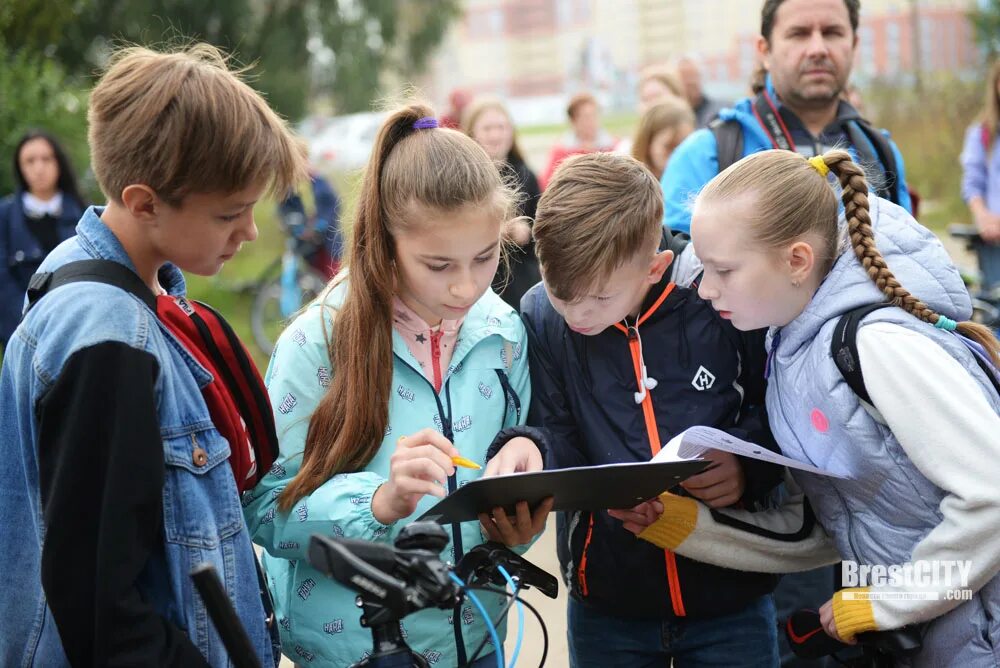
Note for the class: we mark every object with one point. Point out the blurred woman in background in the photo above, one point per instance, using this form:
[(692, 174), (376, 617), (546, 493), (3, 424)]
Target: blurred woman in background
[(661, 129), (41, 214), (981, 180), (488, 122), (584, 136)]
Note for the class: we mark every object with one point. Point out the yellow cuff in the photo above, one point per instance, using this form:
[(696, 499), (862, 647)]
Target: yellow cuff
[(853, 614), (680, 515)]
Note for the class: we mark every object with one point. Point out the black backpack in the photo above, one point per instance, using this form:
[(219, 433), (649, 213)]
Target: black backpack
[(844, 349)]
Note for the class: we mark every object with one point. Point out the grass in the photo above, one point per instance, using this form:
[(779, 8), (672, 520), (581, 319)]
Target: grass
[(929, 128)]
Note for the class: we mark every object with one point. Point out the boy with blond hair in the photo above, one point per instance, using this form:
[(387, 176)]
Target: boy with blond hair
[(623, 356), (116, 481)]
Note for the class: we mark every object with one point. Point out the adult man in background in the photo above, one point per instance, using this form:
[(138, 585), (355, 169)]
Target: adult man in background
[(705, 108), (807, 48)]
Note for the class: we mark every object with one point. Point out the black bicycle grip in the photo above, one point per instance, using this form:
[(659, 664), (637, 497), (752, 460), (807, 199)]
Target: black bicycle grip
[(227, 623)]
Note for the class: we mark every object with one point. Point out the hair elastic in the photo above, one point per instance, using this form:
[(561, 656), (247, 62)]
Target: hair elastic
[(946, 324), (819, 164), (425, 123)]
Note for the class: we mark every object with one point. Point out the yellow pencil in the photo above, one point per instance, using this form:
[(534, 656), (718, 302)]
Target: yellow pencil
[(467, 463)]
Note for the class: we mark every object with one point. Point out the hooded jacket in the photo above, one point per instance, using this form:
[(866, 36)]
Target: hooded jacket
[(918, 462), (584, 391)]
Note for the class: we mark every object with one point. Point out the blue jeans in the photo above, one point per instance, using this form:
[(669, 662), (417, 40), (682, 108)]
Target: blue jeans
[(745, 639), (807, 589), (989, 265)]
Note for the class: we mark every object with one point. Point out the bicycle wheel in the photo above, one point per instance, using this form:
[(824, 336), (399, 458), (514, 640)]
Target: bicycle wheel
[(985, 313), (267, 319)]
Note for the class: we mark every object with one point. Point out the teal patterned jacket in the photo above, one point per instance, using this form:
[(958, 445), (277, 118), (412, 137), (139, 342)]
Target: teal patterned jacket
[(486, 389)]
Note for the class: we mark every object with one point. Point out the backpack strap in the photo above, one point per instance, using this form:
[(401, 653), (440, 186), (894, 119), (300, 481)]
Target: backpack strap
[(883, 154), (93, 271), (676, 241), (729, 140), (844, 348)]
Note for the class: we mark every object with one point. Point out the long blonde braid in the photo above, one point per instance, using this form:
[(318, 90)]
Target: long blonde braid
[(856, 211)]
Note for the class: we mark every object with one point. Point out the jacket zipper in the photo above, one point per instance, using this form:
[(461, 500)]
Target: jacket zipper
[(436, 358), (653, 432)]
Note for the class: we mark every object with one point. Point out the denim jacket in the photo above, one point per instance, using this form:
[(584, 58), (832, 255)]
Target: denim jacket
[(202, 516)]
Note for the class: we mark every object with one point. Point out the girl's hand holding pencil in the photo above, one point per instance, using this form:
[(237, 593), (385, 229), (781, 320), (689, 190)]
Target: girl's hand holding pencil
[(420, 465)]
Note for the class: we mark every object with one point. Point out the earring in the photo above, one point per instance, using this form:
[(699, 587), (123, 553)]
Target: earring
[(795, 284)]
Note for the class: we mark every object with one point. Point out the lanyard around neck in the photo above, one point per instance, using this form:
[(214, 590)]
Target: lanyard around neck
[(769, 119)]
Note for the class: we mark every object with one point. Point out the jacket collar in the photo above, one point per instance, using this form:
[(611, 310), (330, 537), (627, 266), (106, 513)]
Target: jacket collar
[(654, 303), (100, 242)]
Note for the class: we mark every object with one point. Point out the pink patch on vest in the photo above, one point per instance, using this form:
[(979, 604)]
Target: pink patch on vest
[(820, 421)]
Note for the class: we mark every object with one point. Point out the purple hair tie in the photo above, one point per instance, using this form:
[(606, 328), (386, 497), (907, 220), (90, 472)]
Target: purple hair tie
[(425, 123)]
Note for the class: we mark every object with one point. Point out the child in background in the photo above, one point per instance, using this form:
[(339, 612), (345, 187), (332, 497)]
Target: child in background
[(625, 355), (919, 458), (406, 361), (117, 481)]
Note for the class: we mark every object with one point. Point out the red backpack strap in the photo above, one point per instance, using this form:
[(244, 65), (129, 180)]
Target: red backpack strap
[(232, 360), (236, 398), (984, 136), (252, 392)]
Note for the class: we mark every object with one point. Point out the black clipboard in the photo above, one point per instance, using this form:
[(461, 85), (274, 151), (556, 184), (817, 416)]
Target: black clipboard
[(582, 488)]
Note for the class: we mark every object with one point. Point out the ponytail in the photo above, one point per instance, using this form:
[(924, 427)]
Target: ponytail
[(348, 425), (414, 167)]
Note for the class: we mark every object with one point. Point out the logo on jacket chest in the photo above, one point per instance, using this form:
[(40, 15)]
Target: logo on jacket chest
[(703, 379)]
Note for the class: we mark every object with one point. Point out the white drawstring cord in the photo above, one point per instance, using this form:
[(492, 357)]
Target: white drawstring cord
[(646, 381)]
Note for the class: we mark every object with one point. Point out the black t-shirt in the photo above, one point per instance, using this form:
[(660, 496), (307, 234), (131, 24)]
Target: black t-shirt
[(45, 229)]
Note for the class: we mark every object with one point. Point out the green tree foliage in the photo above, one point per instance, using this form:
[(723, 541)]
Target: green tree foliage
[(35, 94), (369, 37), (986, 23), (278, 37)]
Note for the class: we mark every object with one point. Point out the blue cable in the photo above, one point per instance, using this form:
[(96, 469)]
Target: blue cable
[(520, 614), (486, 618)]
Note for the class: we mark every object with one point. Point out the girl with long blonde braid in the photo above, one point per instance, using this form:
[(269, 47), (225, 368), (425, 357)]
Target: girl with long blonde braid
[(916, 513)]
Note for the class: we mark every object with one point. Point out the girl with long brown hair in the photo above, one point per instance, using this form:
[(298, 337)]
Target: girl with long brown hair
[(489, 122), (915, 462), (407, 360)]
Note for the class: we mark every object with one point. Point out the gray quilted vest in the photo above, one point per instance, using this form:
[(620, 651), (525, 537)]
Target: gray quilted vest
[(888, 506)]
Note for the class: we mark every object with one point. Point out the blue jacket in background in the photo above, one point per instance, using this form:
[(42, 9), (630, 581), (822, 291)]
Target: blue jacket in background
[(696, 162), (327, 214), (21, 253)]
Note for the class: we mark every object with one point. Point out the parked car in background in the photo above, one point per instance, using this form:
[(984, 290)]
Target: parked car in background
[(345, 142)]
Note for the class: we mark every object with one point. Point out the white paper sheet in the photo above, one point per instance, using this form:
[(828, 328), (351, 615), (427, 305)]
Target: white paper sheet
[(691, 443)]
